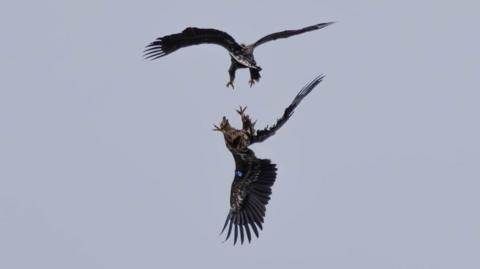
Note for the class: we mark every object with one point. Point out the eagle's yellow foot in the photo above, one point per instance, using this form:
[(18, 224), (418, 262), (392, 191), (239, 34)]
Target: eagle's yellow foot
[(247, 122), (224, 125), (230, 83), (252, 81), (241, 110)]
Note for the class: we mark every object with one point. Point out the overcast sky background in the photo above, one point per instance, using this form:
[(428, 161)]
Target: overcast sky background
[(109, 161)]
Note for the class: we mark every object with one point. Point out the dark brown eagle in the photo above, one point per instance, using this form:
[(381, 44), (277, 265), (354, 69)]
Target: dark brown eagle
[(241, 55), (254, 177)]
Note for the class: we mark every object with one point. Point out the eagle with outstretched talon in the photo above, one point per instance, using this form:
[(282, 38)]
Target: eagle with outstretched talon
[(253, 177), (241, 55)]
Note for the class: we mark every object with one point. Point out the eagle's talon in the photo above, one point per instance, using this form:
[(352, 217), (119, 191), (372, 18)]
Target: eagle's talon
[(241, 110), (230, 83), (252, 81)]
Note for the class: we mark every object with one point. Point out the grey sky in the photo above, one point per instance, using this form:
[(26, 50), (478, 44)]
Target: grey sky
[(109, 161)]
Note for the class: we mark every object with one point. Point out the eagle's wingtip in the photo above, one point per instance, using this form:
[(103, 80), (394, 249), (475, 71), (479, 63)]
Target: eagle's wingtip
[(319, 78), (325, 24)]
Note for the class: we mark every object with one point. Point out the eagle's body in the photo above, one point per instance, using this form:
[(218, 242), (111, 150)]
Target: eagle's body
[(244, 57), (241, 55), (254, 177)]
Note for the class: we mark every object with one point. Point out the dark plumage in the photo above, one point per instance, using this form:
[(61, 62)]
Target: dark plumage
[(241, 55), (254, 177)]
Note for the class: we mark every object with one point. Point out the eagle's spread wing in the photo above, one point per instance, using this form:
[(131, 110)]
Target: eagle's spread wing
[(188, 37), (289, 33), (250, 193), (261, 135)]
